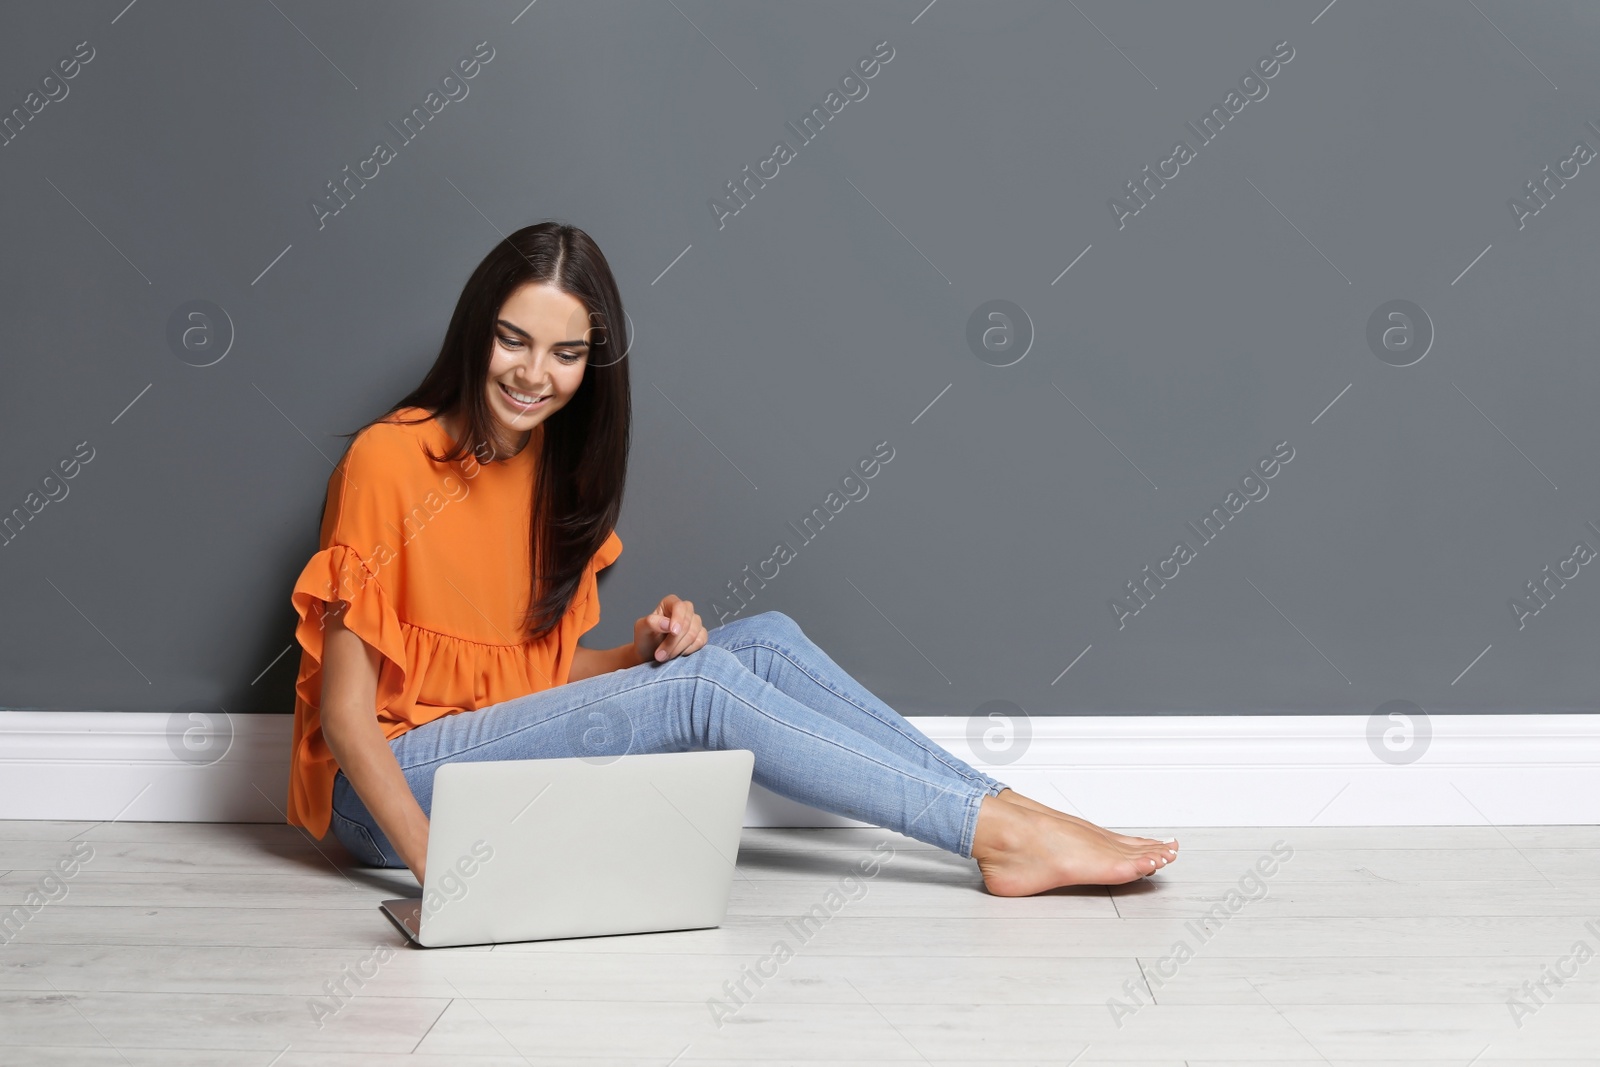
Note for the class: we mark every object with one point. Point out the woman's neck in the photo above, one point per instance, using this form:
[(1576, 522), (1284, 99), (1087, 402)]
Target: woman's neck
[(511, 453), (452, 425)]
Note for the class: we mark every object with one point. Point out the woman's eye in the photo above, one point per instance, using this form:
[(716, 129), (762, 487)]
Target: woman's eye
[(568, 358)]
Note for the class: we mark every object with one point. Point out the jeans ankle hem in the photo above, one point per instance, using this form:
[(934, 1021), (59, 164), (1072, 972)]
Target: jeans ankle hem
[(969, 831)]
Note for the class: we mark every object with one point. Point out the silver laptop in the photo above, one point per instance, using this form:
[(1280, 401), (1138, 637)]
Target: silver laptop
[(525, 850)]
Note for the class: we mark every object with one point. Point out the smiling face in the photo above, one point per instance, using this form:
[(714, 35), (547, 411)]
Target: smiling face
[(538, 359)]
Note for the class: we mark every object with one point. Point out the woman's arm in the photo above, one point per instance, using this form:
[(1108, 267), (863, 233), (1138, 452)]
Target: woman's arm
[(588, 662), (350, 727)]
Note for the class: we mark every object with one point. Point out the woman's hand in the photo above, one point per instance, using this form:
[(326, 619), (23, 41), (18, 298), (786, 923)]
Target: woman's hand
[(673, 629), (417, 860)]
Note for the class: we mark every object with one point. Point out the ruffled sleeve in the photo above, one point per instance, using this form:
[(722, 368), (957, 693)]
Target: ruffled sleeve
[(356, 566), (338, 573)]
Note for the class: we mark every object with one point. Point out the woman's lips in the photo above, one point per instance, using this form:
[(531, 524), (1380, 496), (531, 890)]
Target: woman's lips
[(521, 404)]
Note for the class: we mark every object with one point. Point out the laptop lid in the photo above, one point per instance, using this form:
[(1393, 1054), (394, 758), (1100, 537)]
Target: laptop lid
[(523, 850)]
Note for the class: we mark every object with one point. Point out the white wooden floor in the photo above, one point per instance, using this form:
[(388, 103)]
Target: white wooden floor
[(186, 944)]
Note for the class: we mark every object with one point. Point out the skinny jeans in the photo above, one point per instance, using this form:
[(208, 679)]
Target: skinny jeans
[(759, 683)]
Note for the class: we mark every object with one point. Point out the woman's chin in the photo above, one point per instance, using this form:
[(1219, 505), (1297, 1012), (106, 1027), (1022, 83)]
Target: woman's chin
[(520, 425)]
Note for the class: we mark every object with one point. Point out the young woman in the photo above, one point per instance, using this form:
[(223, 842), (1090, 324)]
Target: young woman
[(430, 635)]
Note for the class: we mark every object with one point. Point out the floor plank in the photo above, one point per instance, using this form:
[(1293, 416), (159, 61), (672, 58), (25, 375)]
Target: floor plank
[(216, 943)]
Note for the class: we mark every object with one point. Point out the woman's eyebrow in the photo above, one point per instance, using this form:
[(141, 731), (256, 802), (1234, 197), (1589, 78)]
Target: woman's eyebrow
[(559, 344)]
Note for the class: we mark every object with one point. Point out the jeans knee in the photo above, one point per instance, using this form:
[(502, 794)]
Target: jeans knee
[(780, 623), (773, 625), (710, 661)]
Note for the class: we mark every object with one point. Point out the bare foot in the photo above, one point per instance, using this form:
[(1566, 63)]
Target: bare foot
[(1013, 797), (1022, 852)]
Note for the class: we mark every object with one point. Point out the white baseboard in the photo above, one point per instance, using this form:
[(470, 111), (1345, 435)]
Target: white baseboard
[(1145, 771)]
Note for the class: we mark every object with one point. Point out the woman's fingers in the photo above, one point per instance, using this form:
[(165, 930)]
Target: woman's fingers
[(663, 621), (683, 629), (694, 630), (663, 624)]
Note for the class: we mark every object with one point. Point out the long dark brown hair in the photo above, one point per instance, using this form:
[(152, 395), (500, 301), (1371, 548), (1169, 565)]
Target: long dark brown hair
[(582, 466)]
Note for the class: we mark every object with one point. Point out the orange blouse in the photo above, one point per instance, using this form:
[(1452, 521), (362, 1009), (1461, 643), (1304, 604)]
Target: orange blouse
[(433, 560)]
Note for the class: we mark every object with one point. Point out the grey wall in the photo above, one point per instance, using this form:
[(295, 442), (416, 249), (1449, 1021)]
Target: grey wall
[(833, 313)]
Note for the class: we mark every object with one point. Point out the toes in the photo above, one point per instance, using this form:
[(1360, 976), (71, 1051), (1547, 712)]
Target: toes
[(1133, 871), (1147, 854)]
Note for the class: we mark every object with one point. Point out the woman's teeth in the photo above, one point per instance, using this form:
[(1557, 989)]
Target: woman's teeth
[(521, 398)]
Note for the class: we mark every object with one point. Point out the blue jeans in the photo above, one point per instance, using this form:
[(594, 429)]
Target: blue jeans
[(819, 737)]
